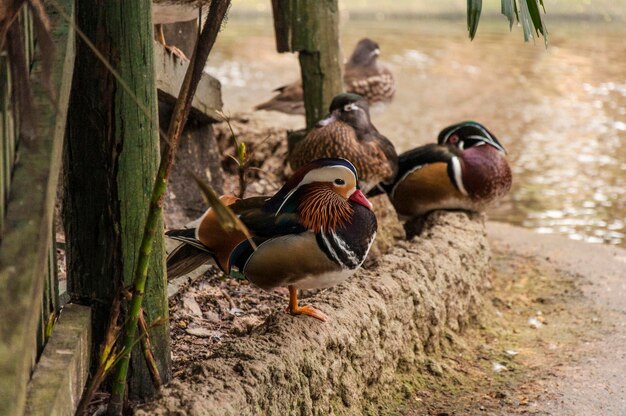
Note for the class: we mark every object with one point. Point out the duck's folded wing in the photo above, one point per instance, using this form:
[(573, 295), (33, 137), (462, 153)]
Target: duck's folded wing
[(242, 253), (424, 155), (415, 159), (389, 157), (264, 222)]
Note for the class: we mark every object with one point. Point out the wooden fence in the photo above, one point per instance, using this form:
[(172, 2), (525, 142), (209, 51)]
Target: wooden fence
[(29, 170)]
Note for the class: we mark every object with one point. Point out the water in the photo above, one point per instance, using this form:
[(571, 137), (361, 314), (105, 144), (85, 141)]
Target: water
[(560, 113)]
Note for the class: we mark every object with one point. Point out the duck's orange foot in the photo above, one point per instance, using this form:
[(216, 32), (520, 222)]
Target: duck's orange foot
[(176, 52), (308, 310)]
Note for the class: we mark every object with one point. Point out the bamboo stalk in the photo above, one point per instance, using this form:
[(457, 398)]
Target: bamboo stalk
[(206, 40)]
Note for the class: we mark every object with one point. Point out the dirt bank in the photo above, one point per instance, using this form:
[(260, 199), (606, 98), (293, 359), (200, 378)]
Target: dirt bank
[(383, 323)]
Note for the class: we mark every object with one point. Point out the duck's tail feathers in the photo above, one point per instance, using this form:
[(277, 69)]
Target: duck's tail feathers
[(187, 236), (185, 259), (188, 256), (287, 107)]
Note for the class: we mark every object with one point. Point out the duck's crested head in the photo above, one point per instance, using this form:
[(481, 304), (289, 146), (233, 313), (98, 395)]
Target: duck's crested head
[(322, 192), (469, 134), (350, 108), (365, 52), (349, 100)]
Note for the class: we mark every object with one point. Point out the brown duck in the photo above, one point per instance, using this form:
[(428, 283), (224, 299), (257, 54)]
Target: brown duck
[(364, 74), (347, 132)]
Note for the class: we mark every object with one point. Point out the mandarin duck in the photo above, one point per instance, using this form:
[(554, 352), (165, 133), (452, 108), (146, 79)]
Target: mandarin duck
[(348, 132), (363, 75), (175, 11), (314, 232), (467, 169)]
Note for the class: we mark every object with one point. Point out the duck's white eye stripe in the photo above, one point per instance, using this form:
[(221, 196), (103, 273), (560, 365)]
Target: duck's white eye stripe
[(350, 107)]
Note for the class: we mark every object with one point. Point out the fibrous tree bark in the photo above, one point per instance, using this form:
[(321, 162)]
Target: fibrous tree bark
[(111, 159)]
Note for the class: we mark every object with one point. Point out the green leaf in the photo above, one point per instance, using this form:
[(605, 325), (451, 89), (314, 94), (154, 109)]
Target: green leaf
[(533, 9), (525, 20), (225, 216), (530, 18), (474, 8), (510, 11), (50, 324), (242, 154)]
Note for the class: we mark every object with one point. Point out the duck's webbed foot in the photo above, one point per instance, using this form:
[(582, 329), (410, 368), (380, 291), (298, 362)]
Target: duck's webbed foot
[(176, 52), (160, 36), (294, 309)]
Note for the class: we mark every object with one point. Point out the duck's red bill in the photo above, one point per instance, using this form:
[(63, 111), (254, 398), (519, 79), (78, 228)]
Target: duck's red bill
[(359, 198)]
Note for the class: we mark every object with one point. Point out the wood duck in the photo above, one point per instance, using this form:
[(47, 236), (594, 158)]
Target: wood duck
[(364, 74), (466, 170), (347, 132), (314, 232)]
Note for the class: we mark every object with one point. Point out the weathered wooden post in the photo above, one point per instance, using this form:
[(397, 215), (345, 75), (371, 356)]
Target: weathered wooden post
[(311, 28), (111, 159)]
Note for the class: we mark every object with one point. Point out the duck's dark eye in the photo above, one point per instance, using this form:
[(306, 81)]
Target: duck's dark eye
[(340, 182)]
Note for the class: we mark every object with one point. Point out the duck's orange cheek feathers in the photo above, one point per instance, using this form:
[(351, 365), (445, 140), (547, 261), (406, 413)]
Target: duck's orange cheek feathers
[(215, 238)]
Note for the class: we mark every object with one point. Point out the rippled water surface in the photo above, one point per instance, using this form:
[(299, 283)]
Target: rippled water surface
[(560, 113)]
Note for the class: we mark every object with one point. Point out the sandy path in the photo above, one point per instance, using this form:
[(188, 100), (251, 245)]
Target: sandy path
[(595, 382)]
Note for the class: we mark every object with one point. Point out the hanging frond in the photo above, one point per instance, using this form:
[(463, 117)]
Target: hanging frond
[(509, 9), (525, 12), (474, 7)]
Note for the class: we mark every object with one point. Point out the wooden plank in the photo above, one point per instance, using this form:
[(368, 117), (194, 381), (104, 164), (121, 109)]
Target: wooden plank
[(3, 94), (5, 162), (28, 226), (170, 72), (62, 371)]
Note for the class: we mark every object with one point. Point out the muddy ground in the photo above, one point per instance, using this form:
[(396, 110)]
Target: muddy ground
[(535, 322), (386, 320)]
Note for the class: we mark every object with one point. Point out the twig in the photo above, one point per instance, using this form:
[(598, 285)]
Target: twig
[(243, 184), (146, 346)]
